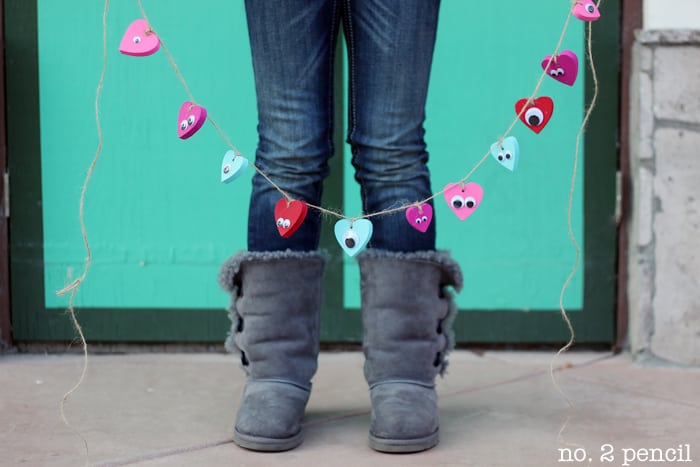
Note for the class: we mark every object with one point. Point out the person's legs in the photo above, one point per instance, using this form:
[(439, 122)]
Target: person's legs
[(407, 307), (293, 46), (390, 47), (276, 285)]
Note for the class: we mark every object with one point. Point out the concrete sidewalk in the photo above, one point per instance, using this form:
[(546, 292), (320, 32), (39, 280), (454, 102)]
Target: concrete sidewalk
[(497, 409)]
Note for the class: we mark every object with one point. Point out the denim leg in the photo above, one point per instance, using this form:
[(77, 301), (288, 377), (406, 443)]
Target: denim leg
[(390, 46), (292, 45)]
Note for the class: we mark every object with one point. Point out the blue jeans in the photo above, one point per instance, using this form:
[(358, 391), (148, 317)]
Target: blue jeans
[(390, 47)]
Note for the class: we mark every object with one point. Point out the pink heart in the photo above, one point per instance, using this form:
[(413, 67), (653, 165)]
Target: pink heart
[(190, 119), (139, 40), (563, 67), (463, 199), (420, 217), (586, 10)]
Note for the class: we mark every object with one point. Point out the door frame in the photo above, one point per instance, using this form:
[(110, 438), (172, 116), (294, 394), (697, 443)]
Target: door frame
[(5, 306), (149, 325)]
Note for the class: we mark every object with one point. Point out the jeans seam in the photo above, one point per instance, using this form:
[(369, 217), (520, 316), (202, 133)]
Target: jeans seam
[(331, 65), (351, 60)]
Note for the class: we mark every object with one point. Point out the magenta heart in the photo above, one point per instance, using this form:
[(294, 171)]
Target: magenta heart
[(563, 67), (586, 10), (420, 217), (190, 119), (139, 40), (463, 199)]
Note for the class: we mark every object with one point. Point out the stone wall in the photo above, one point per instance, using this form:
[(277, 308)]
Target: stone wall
[(664, 248)]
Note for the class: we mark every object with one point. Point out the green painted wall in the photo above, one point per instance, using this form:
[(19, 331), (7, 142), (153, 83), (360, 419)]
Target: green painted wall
[(160, 222)]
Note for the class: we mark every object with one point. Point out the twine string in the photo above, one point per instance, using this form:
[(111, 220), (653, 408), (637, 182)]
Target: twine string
[(572, 236), (75, 285)]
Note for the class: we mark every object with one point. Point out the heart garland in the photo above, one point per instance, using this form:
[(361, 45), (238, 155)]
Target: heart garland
[(232, 166), (289, 215), (506, 153), (419, 217), (354, 235), (190, 119), (586, 10), (139, 40), (563, 67), (536, 114)]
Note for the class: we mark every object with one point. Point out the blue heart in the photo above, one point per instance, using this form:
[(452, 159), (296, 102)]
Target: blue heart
[(353, 237), (509, 147), (232, 166)]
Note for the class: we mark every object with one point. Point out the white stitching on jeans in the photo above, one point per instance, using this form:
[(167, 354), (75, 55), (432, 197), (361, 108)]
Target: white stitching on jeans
[(351, 59)]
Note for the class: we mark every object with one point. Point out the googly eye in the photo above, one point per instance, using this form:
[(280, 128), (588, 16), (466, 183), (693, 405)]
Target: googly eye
[(227, 169), (500, 156), (469, 202), (183, 125), (534, 116), (280, 222), (590, 8), (190, 120), (136, 39), (553, 72), (286, 224), (457, 202), (418, 220), (424, 218), (351, 239), (560, 72), (508, 156)]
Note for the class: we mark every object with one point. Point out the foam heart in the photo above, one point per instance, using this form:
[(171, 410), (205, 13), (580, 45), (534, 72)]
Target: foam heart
[(463, 199), (289, 215), (353, 237), (419, 217), (232, 166), (507, 153), (139, 40), (190, 119), (586, 10), (535, 115), (563, 67)]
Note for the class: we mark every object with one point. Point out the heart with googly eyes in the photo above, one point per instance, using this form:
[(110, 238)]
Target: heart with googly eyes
[(139, 40), (353, 237), (420, 217), (289, 215), (232, 166), (536, 114), (507, 152), (563, 67), (463, 199), (190, 119), (586, 10)]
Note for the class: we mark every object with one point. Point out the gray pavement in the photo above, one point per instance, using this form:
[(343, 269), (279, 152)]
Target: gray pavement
[(497, 409)]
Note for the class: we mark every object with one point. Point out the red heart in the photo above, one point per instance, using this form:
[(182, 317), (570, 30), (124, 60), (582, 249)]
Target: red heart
[(536, 114), (289, 215)]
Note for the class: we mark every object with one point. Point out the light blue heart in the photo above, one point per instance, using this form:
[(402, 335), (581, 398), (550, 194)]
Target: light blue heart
[(509, 145), (362, 228), (236, 166)]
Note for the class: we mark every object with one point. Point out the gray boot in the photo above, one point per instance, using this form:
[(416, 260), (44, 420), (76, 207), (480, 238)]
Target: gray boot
[(275, 310), (407, 314)]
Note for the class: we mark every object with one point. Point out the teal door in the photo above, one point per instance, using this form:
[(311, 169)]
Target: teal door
[(160, 222)]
